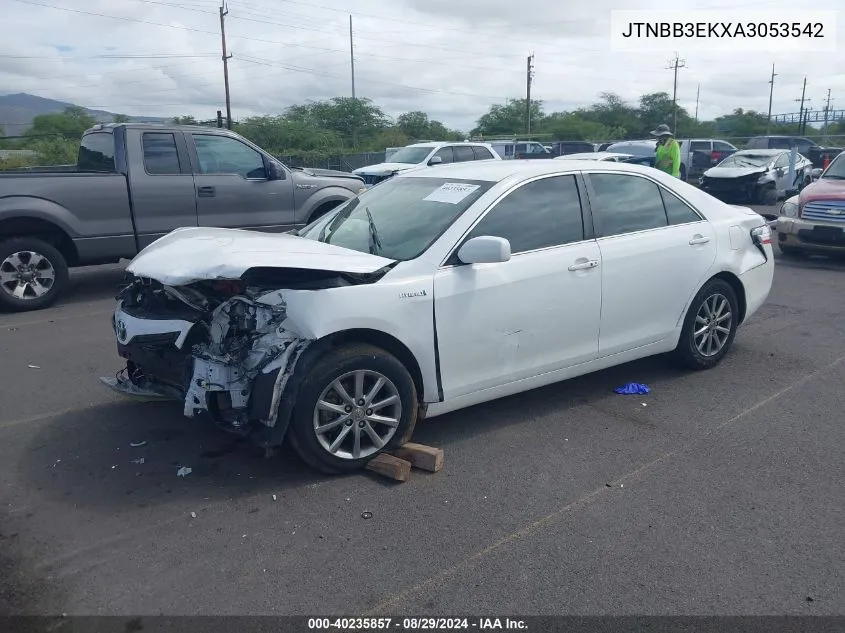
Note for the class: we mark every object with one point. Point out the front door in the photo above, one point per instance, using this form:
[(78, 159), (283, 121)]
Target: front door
[(233, 189), (656, 251), (538, 312)]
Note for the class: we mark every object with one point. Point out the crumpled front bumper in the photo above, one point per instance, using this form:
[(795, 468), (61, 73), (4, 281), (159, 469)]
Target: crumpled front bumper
[(208, 377)]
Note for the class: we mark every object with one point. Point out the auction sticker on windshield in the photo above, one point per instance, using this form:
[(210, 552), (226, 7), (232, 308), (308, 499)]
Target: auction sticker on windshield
[(451, 192)]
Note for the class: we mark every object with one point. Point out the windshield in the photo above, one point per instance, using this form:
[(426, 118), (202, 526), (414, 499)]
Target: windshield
[(398, 219), (747, 160), (410, 155), (836, 169)]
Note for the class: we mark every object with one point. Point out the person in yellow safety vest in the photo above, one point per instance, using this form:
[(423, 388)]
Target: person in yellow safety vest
[(668, 153)]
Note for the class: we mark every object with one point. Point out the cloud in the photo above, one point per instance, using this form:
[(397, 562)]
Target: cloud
[(450, 59)]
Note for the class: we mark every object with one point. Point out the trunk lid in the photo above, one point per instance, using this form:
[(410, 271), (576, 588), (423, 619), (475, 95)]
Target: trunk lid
[(188, 255)]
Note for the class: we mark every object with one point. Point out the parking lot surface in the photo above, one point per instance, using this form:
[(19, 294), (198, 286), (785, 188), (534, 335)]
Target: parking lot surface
[(717, 493)]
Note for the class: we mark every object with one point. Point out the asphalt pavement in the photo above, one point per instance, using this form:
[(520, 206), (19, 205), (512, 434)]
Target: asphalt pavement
[(717, 493)]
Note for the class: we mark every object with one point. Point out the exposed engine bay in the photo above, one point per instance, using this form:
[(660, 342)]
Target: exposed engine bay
[(205, 344)]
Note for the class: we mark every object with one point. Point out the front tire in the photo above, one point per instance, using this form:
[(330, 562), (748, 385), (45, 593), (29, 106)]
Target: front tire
[(709, 327), (33, 274), (356, 402)]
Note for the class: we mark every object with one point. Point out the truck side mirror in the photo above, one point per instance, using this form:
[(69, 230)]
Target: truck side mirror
[(275, 171)]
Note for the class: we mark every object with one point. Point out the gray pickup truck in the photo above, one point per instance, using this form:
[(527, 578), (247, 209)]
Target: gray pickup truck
[(136, 182)]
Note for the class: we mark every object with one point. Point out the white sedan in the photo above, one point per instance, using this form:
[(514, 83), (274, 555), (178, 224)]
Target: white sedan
[(603, 156), (437, 290)]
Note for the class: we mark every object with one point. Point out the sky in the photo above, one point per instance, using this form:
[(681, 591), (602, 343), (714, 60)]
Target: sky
[(451, 59)]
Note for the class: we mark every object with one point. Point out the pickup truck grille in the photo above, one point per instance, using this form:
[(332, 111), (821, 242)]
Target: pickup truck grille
[(371, 180), (825, 211)]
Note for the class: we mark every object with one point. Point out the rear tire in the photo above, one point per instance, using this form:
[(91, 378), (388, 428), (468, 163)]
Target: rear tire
[(33, 274), (339, 411), (709, 326)]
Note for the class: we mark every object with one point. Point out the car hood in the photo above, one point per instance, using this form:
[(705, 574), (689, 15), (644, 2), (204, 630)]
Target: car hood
[(383, 168), (734, 172), (823, 189), (188, 255)]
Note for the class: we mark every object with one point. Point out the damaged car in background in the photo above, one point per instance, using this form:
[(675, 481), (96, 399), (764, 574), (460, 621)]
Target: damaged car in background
[(434, 291), (757, 176)]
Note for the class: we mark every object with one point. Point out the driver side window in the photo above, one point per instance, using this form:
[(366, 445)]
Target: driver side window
[(540, 214), (224, 155)]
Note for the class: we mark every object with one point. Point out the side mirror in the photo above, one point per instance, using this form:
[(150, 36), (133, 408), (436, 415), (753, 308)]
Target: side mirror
[(435, 160), (275, 171), (485, 249)]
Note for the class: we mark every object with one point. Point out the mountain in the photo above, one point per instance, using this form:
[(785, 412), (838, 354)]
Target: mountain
[(18, 110)]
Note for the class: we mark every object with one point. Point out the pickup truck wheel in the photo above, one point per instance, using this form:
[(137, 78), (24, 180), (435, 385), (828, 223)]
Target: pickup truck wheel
[(33, 274), (357, 401)]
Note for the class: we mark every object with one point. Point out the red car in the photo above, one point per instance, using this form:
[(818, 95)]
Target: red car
[(814, 220)]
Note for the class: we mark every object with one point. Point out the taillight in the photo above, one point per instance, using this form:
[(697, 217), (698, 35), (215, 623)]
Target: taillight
[(761, 235), (716, 156)]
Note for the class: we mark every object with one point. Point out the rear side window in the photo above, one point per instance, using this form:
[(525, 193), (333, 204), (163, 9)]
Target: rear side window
[(721, 146), (96, 152), (780, 143), (677, 211), (463, 154), (539, 214), (626, 204), (482, 153), (161, 157), (758, 143), (696, 146)]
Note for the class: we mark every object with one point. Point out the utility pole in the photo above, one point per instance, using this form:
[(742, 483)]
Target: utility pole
[(223, 13), (528, 78), (801, 112), (697, 94), (352, 56), (676, 64), (771, 92), (826, 113)]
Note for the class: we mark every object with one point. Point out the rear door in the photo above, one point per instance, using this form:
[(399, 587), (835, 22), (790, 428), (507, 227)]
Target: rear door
[(233, 188), (656, 251), (482, 153), (161, 183), (463, 153)]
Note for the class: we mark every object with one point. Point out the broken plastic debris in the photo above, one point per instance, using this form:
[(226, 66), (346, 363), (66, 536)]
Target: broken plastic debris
[(34, 367), (644, 404), (184, 471), (632, 388), (137, 444), (140, 460), (193, 515), (366, 515), (274, 497)]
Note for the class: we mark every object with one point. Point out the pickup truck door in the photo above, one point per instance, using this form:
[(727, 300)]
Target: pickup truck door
[(232, 185), (161, 185)]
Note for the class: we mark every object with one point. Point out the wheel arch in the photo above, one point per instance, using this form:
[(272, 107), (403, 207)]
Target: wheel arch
[(314, 352), (50, 232), (733, 281)]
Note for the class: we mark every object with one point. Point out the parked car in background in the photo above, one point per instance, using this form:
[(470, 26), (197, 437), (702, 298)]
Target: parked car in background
[(135, 182), (812, 150), (563, 148), (434, 291), (601, 147), (425, 154), (634, 148), (814, 220), (510, 150), (700, 154), (756, 176), (604, 156)]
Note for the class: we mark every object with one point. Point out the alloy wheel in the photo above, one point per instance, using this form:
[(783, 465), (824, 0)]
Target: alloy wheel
[(713, 323), (27, 275)]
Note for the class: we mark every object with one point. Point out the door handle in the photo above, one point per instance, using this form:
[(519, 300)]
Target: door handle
[(591, 263), (699, 239), (205, 192)]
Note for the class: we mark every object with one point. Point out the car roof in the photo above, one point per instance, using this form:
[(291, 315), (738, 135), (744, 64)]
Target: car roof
[(433, 144), (591, 155), (498, 170)]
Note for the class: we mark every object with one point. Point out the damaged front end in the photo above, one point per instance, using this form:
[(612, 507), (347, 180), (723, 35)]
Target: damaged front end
[(744, 188), (222, 347)]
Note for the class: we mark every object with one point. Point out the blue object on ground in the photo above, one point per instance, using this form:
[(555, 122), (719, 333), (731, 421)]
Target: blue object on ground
[(632, 388)]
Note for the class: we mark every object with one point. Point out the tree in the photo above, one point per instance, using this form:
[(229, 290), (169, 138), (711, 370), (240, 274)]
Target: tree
[(120, 118), (414, 125), (70, 124), (183, 120), (509, 118), (356, 120)]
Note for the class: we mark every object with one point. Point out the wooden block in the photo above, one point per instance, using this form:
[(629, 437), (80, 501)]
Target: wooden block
[(390, 466), (421, 456)]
